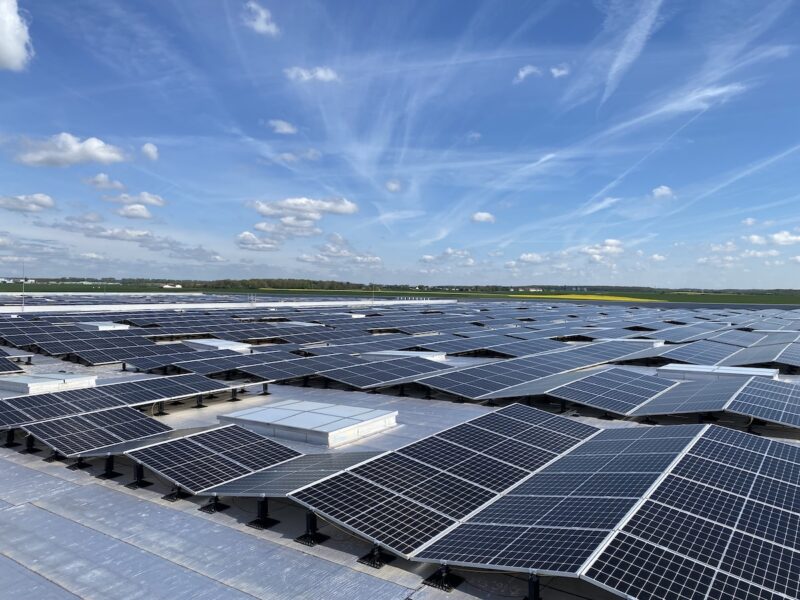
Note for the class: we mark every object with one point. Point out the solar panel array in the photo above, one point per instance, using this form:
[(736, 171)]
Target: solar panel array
[(73, 436), (508, 378), (385, 373), (407, 497), (204, 460), (8, 366), (723, 524), (300, 367), (22, 410), (556, 519), (615, 390)]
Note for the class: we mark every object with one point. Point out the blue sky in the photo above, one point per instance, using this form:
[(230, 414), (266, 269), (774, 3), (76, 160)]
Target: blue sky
[(575, 142)]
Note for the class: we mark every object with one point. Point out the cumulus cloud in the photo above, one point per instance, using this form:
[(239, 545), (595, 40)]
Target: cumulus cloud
[(483, 217), (559, 71), (531, 258), (525, 72), (282, 127), (103, 182), (140, 198), (728, 246), (784, 238), (658, 257), (450, 257), (247, 240), (474, 136), (150, 151), (16, 50), (31, 203), (65, 149), (338, 251), (663, 192), (290, 226), (134, 211), (600, 252), (259, 19), (308, 208), (314, 74), (760, 253), (759, 240), (393, 186), (749, 221)]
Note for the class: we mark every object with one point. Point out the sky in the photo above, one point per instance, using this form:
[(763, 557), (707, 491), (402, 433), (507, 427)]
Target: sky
[(654, 142)]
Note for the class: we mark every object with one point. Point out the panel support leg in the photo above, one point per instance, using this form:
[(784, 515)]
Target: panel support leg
[(263, 521), (108, 469), (265, 389), (78, 464), (213, 506), (160, 412), (443, 580), (30, 445), (312, 536), (234, 396), (10, 443), (534, 588), (138, 478), (376, 558), (199, 402)]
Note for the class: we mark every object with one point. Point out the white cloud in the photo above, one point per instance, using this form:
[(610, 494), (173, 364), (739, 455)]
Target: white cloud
[(150, 151), (728, 246), (658, 258), (140, 198), (749, 221), (313, 74), (31, 203), (250, 241), (724, 262), (483, 217), (338, 251), (795, 259), (532, 258), (93, 256), (394, 186), (16, 50), (134, 211), (103, 182), (609, 247), (559, 71), (65, 149), (290, 226), (259, 19), (450, 256), (663, 192), (291, 157), (784, 238), (474, 136), (760, 253), (759, 240), (308, 208), (282, 127), (525, 72)]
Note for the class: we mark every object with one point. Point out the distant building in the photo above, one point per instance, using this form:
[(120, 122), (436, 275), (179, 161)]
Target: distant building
[(172, 286)]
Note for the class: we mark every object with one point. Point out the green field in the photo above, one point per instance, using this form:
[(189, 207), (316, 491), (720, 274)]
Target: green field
[(749, 297)]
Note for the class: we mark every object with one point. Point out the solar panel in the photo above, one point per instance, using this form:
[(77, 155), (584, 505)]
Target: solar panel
[(616, 390), (721, 528), (555, 519), (704, 395), (438, 480), (280, 480), (775, 401), (386, 372), (508, 378), (22, 410), (703, 352), (300, 367), (204, 460), (73, 436), (8, 366)]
